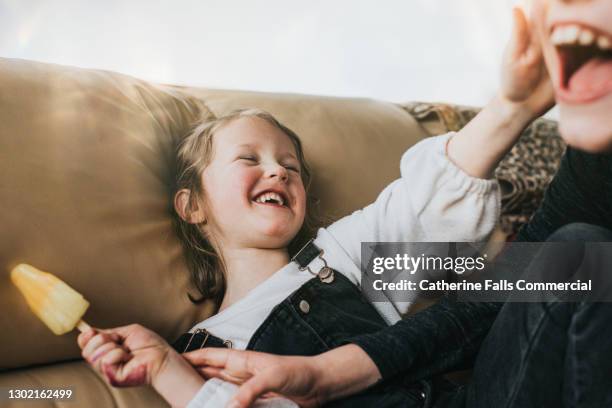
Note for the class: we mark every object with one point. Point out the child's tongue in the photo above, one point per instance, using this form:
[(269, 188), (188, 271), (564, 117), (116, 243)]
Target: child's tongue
[(592, 76)]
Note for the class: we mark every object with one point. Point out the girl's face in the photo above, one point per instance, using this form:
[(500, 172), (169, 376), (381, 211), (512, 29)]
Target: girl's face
[(254, 192), (577, 43)]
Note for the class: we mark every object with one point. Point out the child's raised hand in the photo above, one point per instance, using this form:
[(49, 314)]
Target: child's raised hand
[(524, 76)]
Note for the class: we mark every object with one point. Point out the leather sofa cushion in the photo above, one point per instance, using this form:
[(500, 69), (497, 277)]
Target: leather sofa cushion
[(84, 158)]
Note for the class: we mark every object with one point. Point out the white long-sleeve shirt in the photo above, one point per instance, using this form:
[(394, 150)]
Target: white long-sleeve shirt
[(433, 200)]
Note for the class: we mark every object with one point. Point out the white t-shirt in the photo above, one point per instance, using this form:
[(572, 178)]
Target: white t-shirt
[(432, 201)]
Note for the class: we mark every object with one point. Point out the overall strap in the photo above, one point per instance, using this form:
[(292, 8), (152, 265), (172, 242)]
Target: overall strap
[(309, 253), (200, 338)]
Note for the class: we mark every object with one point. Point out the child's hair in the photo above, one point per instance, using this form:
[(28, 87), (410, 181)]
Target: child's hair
[(194, 155)]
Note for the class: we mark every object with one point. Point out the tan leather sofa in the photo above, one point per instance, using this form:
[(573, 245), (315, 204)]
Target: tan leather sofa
[(85, 168), (85, 164)]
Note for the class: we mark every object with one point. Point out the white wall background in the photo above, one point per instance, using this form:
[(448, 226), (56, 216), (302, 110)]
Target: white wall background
[(396, 50)]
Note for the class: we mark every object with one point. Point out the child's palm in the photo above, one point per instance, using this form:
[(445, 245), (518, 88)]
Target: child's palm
[(524, 76)]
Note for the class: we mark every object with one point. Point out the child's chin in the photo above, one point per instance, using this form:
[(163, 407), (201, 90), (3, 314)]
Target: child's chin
[(588, 133), (277, 237)]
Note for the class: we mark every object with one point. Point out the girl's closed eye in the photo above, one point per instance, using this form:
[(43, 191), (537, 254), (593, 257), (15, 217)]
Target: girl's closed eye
[(291, 167), (248, 158)]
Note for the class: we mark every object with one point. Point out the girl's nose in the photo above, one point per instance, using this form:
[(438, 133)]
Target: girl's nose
[(276, 170)]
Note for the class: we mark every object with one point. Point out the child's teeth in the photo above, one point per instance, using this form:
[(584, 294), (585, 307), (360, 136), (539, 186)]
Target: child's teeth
[(604, 43), (557, 36), (270, 196), (565, 35), (571, 34), (586, 37)]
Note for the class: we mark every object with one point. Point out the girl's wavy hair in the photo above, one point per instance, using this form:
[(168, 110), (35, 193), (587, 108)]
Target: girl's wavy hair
[(194, 154)]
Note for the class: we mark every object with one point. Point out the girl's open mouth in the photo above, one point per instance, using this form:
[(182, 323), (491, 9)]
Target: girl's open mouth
[(271, 198), (585, 56)]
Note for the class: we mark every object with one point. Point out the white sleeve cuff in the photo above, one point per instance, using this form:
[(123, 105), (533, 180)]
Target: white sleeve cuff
[(216, 394), (450, 172)]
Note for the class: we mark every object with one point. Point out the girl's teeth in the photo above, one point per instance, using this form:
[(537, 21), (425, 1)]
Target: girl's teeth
[(573, 34), (557, 36), (270, 196), (586, 37), (604, 43)]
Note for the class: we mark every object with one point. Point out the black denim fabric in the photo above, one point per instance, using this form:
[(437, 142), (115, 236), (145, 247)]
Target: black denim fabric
[(316, 318), (335, 313), (319, 317), (553, 354), (525, 354)]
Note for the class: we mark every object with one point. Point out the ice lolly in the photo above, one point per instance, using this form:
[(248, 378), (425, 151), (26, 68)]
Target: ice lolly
[(58, 305)]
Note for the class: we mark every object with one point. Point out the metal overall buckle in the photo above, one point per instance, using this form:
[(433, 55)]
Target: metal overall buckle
[(325, 274), (206, 333)]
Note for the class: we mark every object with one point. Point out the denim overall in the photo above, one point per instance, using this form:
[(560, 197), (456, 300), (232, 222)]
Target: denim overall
[(324, 313)]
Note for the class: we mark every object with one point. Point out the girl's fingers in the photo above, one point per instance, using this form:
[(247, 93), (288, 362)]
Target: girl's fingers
[(94, 343), (115, 356), (84, 337), (112, 333), (526, 42), (521, 35), (128, 374), (534, 54), (133, 329), (100, 352)]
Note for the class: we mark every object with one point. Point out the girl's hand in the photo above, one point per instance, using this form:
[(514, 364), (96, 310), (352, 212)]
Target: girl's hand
[(526, 93), (125, 356), (309, 381), (133, 355), (525, 80)]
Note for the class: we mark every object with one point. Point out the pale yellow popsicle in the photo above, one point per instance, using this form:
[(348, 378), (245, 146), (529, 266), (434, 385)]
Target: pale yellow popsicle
[(58, 305)]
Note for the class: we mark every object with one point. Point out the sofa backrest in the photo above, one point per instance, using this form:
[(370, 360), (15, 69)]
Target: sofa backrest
[(85, 170)]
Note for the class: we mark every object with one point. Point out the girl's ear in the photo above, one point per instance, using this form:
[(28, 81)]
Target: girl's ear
[(183, 208)]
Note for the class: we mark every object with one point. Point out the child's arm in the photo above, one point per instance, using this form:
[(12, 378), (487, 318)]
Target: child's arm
[(132, 355), (443, 194), (526, 93)]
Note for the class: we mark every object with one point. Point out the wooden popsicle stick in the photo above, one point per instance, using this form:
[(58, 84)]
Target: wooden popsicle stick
[(83, 327)]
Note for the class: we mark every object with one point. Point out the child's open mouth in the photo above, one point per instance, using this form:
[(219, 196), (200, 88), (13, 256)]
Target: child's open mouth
[(585, 56), (272, 198)]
